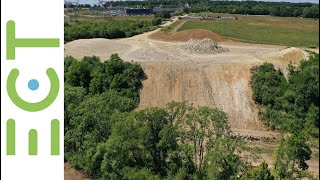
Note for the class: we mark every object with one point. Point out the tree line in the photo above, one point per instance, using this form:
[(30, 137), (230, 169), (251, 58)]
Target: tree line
[(292, 104), (286, 9), (283, 9), (107, 138), (110, 29)]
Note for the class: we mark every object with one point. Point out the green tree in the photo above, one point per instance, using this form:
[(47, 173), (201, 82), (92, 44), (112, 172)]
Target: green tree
[(289, 105), (261, 172), (79, 72), (223, 160), (139, 174), (311, 12), (163, 15), (104, 29), (73, 97), (268, 84), (142, 140), (299, 150), (90, 126), (97, 77), (206, 138), (281, 161), (291, 156), (156, 21)]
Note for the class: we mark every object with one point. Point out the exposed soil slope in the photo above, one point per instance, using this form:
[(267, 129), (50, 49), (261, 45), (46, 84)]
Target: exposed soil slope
[(294, 55), (225, 86)]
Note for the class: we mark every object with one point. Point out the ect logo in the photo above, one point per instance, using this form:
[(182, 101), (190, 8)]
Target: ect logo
[(11, 44)]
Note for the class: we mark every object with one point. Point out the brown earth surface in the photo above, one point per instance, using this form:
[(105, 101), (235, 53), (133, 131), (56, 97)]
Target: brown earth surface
[(72, 174), (224, 86), (183, 36), (216, 80)]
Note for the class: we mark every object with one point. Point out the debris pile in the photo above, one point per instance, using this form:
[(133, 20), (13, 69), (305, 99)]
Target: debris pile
[(205, 45)]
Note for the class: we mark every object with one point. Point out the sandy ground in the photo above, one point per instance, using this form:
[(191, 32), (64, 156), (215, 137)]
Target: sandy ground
[(216, 80)]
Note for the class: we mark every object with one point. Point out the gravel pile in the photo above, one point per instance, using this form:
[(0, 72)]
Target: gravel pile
[(205, 45)]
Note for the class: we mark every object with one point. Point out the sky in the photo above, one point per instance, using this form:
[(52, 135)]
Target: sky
[(294, 1)]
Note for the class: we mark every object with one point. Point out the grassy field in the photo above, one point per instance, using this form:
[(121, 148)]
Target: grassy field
[(170, 28), (286, 31)]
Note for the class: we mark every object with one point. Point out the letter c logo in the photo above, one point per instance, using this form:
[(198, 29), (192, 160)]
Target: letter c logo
[(38, 106)]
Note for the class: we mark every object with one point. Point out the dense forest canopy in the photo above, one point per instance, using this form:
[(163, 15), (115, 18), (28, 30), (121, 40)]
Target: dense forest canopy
[(291, 105), (110, 29)]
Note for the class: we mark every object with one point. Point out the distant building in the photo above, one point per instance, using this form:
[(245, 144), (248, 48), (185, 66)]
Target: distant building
[(171, 10), (142, 11), (97, 8), (139, 11)]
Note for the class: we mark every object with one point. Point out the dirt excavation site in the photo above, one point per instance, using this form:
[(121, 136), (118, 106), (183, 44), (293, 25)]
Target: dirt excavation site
[(200, 67), (218, 77)]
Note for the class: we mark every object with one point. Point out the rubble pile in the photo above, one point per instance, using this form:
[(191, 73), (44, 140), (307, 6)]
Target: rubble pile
[(205, 45)]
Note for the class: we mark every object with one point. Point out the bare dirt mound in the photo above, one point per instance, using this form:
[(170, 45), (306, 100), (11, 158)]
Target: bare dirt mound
[(292, 54), (184, 36), (224, 86), (98, 47), (203, 46)]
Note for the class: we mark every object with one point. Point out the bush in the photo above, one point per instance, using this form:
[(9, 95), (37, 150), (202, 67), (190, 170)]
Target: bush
[(156, 21), (291, 105), (163, 15), (97, 77), (259, 173), (104, 29), (96, 95)]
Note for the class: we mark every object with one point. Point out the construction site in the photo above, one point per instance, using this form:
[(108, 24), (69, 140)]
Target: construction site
[(195, 65), (201, 67)]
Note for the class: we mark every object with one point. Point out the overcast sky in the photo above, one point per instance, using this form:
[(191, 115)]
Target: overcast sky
[(96, 1)]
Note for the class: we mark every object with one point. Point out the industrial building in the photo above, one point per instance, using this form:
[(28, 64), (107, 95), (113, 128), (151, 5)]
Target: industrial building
[(139, 11)]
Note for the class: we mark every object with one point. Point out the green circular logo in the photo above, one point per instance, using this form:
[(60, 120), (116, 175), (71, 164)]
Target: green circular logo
[(37, 106)]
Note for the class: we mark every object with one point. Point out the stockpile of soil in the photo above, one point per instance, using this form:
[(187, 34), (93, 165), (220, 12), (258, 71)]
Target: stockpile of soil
[(186, 35), (205, 45), (292, 54)]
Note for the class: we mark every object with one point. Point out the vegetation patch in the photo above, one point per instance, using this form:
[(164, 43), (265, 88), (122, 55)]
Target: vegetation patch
[(172, 26), (293, 105), (109, 29), (263, 30)]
